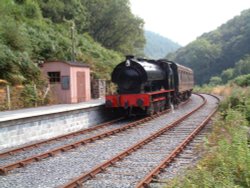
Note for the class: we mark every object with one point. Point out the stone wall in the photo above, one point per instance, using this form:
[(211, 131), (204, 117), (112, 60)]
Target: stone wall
[(25, 130), (98, 88)]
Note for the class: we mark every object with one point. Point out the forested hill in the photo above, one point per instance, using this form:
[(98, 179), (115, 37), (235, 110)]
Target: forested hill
[(214, 53), (101, 31), (158, 46)]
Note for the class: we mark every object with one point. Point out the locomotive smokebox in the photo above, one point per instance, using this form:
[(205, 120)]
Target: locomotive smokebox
[(137, 75), (129, 79)]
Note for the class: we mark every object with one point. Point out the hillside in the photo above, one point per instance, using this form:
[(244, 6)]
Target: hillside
[(33, 31), (216, 51), (158, 46)]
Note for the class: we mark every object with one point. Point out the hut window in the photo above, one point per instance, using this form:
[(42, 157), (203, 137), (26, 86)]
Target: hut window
[(54, 77), (65, 82)]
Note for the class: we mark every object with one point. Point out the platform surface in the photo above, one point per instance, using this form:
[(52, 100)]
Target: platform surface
[(38, 111)]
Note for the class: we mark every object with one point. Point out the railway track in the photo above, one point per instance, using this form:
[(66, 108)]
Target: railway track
[(99, 132), (174, 154), (14, 151), (186, 159), (60, 169), (23, 152), (129, 166)]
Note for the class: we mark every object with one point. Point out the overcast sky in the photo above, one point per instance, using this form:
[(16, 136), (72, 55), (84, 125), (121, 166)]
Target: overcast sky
[(184, 20)]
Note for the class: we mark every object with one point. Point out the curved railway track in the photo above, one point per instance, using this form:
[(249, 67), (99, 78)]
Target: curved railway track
[(172, 156), (88, 155), (24, 160), (125, 165), (189, 157)]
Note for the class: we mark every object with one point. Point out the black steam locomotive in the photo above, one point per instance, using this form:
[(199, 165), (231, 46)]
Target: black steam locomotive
[(149, 86)]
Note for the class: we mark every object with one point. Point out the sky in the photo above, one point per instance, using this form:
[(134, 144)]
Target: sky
[(184, 20)]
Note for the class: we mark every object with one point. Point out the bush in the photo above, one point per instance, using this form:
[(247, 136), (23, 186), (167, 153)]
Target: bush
[(238, 100), (215, 81), (29, 96), (13, 37), (203, 89), (243, 80), (227, 159), (32, 9)]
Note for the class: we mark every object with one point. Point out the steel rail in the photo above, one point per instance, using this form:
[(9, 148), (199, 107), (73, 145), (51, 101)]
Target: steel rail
[(76, 182), (144, 183), (21, 163), (66, 136)]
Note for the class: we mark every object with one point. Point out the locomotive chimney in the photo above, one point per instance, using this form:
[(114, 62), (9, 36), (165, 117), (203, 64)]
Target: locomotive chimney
[(128, 57)]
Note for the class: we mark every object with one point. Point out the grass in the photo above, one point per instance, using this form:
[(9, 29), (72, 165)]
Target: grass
[(226, 162)]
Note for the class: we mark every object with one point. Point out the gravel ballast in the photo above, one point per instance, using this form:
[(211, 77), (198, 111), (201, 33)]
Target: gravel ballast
[(58, 170)]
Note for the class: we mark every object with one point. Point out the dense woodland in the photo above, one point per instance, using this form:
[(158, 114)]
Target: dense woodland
[(96, 32), (222, 53), (158, 46), (101, 32)]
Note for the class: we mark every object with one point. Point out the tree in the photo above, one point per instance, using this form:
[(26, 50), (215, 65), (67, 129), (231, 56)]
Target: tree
[(27, 38), (227, 75), (242, 66), (215, 81), (199, 55), (114, 26), (216, 51), (61, 10)]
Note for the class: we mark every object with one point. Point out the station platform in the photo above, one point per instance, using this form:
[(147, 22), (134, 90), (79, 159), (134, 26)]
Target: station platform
[(31, 124), (44, 110)]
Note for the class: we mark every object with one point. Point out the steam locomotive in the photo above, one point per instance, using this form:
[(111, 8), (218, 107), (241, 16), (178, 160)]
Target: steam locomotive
[(149, 86)]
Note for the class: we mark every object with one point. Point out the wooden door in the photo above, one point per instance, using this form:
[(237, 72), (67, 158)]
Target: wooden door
[(81, 90)]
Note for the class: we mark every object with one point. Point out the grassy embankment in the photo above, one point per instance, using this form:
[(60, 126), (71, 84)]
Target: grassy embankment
[(226, 162)]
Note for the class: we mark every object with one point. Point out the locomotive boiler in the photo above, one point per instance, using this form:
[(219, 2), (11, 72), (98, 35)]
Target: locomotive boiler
[(149, 86)]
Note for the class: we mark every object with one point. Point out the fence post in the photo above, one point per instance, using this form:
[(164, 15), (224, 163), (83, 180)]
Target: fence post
[(35, 90), (8, 97), (46, 93)]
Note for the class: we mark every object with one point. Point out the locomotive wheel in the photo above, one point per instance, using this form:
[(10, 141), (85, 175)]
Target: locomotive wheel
[(156, 108), (150, 110), (159, 106), (163, 104)]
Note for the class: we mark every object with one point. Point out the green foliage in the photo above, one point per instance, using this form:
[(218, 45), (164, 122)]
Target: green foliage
[(101, 60), (114, 26), (243, 80), (13, 36), (216, 51), (157, 46), (60, 11), (26, 38), (29, 96), (201, 56), (227, 160), (242, 66), (109, 22), (237, 100), (238, 74), (16, 67), (215, 81), (32, 10), (206, 88), (227, 75)]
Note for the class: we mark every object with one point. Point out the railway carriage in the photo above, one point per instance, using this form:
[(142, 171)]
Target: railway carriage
[(149, 86)]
